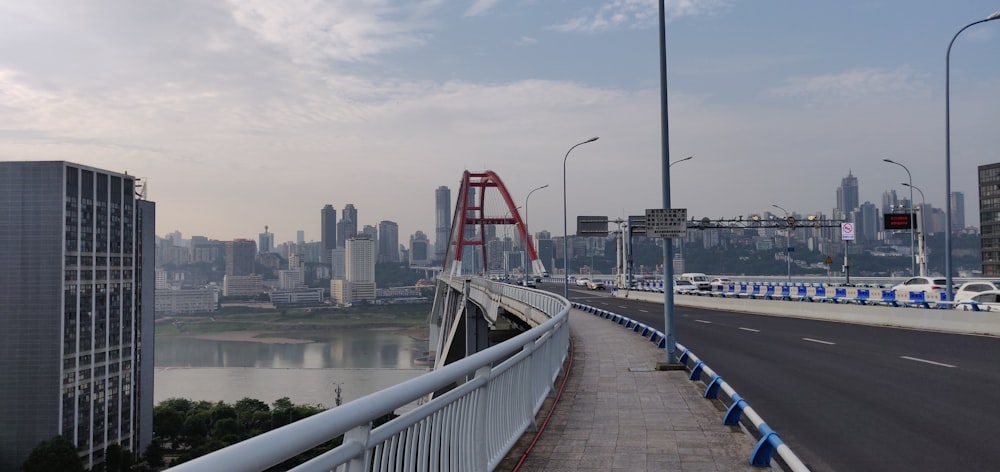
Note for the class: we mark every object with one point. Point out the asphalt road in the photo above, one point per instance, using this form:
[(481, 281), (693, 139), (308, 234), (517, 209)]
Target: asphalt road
[(849, 397)]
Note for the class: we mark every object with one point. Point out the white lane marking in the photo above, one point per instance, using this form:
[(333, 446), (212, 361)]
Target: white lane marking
[(703, 321), (818, 341), (644, 311), (927, 361), (623, 307), (750, 329)]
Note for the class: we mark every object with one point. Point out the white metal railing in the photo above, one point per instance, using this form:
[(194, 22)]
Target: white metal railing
[(495, 396)]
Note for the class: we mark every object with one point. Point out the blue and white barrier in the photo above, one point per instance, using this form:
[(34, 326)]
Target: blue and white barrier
[(769, 442)]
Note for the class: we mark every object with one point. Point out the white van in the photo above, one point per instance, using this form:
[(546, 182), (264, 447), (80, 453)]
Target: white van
[(697, 278)]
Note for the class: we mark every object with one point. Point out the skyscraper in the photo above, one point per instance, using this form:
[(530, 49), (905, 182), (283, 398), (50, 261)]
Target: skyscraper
[(847, 195), (442, 217), (76, 310), (420, 254), (388, 241), (328, 232), (989, 218), (265, 241), (359, 264), (241, 257), (957, 211), (347, 228)]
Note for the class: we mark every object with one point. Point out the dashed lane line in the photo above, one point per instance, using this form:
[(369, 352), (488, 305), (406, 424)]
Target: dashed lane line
[(925, 361), (819, 341), (750, 329), (704, 321)]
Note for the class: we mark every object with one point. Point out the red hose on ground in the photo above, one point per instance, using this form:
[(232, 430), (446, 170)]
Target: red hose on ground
[(552, 408)]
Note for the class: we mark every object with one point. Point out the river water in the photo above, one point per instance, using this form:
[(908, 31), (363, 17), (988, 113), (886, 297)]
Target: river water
[(360, 361)]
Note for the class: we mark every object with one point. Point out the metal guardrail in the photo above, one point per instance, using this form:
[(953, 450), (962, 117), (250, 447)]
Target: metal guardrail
[(493, 399), (769, 442)]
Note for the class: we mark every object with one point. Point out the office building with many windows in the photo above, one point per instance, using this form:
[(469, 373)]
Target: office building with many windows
[(76, 310)]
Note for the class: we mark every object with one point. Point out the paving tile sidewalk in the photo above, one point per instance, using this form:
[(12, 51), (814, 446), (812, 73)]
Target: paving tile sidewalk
[(618, 413)]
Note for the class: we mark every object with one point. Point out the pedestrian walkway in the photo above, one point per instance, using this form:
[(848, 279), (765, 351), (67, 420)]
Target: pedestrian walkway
[(617, 412)]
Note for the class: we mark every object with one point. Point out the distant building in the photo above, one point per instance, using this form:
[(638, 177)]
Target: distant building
[(388, 241), (338, 266), (291, 279), (241, 257), (265, 241), (358, 283), (442, 219), (348, 226), (328, 232), (420, 251), (297, 297), (989, 218), (178, 302), (847, 196), (76, 310), (242, 285), (957, 211)]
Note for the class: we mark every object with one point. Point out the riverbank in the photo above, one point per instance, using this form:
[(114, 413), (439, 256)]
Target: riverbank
[(293, 326)]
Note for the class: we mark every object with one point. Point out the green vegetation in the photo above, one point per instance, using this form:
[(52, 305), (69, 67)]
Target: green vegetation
[(185, 429), (300, 323), (57, 453)]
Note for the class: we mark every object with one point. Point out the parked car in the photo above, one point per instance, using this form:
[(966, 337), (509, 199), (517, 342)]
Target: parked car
[(721, 282), (681, 286), (971, 289), (698, 279), (595, 285), (922, 284), (985, 301)]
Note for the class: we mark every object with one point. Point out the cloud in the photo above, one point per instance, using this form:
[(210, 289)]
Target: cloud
[(480, 7), (526, 41), (625, 14), (854, 84)]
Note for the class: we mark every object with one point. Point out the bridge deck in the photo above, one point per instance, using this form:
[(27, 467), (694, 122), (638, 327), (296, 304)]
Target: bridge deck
[(618, 413)]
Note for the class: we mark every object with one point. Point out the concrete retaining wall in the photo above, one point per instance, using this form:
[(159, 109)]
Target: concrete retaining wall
[(953, 321)]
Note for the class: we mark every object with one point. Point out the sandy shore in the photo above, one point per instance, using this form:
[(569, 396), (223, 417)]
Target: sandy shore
[(251, 336)]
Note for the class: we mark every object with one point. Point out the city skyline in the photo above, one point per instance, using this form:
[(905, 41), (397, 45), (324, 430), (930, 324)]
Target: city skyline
[(270, 113)]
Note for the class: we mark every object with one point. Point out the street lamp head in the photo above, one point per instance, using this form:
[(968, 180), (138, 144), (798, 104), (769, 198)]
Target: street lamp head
[(994, 16), (889, 161), (590, 140)]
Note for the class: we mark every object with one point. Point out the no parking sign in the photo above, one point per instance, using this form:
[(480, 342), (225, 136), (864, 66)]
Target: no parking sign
[(847, 231)]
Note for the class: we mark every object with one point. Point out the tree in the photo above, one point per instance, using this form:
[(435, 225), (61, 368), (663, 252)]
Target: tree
[(57, 453)]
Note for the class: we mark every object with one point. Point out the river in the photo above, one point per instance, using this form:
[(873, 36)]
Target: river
[(360, 361)]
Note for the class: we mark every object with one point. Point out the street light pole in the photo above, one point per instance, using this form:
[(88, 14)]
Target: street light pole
[(527, 233), (788, 243), (921, 230), (947, 152), (912, 216), (678, 161), (565, 225)]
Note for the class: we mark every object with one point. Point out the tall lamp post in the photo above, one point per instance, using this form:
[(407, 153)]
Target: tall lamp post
[(947, 152), (565, 225), (922, 229), (788, 243), (527, 233), (912, 216)]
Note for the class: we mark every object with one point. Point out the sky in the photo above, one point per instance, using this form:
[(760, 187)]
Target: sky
[(246, 113)]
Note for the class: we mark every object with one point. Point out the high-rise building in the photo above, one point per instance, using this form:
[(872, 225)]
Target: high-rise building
[(868, 223), (890, 201), (957, 211), (388, 241), (359, 283), (241, 257), (328, 232), (347, 228), (300, 237), (76, 310), (989, 218), (847, 195), (420, 254), (265, 241), (442, 218)]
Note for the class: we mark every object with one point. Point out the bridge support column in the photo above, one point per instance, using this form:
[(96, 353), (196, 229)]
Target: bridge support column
[(477, 329)]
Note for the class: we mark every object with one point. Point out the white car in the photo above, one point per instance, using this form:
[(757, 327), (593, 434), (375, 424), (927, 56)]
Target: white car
[(721, 282), (582, 282), (682, 286), (595, 285), (985, 301), (922, 284), (971, 289)]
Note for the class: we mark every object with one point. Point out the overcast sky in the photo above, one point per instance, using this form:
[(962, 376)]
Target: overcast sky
[(255, 112)]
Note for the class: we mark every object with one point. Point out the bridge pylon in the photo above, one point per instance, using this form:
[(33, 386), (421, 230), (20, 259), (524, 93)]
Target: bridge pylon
[(483, 201)]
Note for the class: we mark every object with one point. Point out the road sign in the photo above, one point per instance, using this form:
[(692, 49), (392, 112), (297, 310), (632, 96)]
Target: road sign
[(897, 221), (829, 260), (847, 231), (591, 225), (666, 223)]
